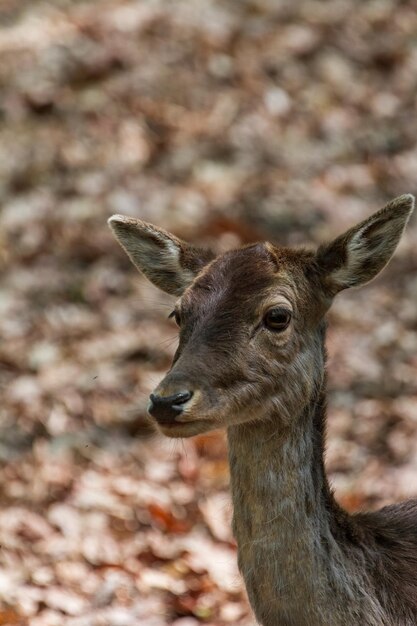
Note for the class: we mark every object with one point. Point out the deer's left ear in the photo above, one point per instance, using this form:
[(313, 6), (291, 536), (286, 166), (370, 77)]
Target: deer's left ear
[(358, 255), (168, 262)]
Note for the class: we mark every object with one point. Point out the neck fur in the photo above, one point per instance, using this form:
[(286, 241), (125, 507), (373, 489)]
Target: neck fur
[(289, 529)]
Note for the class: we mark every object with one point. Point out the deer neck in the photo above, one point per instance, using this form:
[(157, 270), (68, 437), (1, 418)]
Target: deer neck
[(296, 571)]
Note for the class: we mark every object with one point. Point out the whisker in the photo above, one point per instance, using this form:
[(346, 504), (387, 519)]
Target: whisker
[(168, 341)]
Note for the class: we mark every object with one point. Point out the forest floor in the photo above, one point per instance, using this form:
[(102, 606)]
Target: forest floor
[(225, 123)]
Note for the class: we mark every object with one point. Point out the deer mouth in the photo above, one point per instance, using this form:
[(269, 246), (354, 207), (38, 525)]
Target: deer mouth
[(186, 429)]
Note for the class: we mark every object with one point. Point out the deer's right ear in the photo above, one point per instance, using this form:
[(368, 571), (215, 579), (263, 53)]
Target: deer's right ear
[(168, 262)]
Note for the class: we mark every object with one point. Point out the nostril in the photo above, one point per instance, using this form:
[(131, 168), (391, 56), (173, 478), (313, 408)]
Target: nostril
[(182, 397), (175, 400), (166, 408), (154, 399)]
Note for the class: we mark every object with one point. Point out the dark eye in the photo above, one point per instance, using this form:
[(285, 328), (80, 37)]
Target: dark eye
[(277, 318), (176, 317)]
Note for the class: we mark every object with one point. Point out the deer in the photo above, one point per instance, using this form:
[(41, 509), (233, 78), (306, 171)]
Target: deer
[(251, 358)]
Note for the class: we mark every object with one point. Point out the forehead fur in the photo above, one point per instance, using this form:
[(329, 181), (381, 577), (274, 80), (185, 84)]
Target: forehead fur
[(253, 270)]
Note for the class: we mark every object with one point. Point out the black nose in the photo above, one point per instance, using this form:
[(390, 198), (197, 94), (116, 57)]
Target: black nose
[(166, 408)]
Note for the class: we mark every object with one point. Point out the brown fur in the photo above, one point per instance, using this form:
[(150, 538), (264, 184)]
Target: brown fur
[(305, 561)]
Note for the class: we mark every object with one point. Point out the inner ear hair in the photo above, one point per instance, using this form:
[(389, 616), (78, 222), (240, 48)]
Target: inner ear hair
[(358, 255), (168, 262)]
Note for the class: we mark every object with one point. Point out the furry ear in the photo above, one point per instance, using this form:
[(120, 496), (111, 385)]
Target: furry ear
[(168, 262), (360, 254)]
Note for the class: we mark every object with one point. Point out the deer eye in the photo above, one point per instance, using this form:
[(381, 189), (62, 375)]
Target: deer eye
[(176, 317), (277, 318)]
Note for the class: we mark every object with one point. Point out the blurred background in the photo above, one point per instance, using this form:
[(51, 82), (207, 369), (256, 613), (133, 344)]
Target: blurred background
[(225, 122)]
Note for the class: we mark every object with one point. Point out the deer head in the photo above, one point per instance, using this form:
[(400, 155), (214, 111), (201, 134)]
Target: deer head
[(251, 321)]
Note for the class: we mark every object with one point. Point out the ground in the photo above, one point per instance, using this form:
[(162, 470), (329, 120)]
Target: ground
[(225, 123)]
